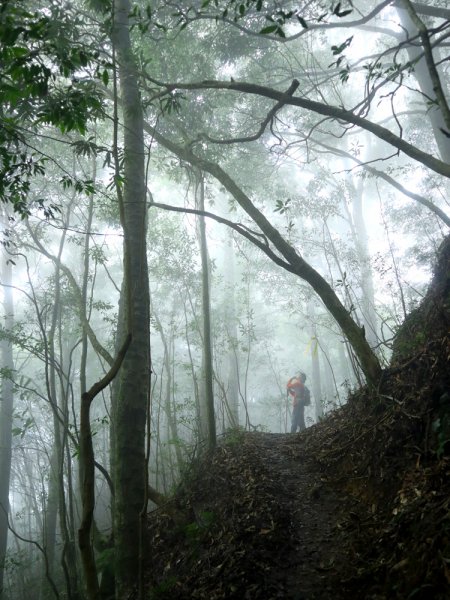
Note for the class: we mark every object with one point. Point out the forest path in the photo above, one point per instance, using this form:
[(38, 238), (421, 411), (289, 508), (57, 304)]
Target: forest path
[(311, 553), (266, 525)]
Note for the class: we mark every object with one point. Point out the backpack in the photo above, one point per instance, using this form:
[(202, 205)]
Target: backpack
[(306, 396)]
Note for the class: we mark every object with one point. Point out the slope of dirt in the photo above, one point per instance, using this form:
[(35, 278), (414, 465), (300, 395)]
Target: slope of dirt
[(355, 507)]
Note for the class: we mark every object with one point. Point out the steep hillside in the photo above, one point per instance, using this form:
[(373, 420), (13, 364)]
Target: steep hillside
[(355, 507)]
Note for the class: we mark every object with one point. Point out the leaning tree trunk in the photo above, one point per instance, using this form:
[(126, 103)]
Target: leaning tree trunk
[(426, 76), (287, 257)]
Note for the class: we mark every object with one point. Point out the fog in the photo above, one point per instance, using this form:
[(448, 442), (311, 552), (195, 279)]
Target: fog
[(313, 150)]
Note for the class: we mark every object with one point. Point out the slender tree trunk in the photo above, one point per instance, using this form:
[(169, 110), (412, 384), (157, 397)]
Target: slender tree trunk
[(192, 365), (316, 383), (316, 386), (207, 415), (358, 230), (327, 379), (6, 411), (231, 327), (67, 525), (344, 367), (50, 521), (369, 315), (55, 497), (170, 414)]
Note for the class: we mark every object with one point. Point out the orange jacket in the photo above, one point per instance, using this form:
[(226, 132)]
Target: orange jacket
[(295, 387)]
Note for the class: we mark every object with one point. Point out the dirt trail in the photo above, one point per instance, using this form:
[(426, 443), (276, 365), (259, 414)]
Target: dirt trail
[(271, 526), (311, 554), (311, 549), (344, 510)]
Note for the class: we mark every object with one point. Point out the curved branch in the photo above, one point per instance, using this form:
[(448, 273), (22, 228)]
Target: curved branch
[(431, 11), (270, 115), (310, 26), (369, 363), (335, 112), (241, 229), (417, 197)]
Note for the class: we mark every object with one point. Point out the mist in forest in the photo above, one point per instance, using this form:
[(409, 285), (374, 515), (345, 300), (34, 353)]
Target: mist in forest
[(199, 201)]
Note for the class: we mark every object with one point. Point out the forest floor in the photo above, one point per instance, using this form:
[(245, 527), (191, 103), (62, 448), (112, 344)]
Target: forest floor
[(355, 507), (350, 508)]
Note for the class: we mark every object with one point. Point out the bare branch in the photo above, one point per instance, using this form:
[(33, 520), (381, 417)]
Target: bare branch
[(335, 112), (101, 350), (417, 197), (243, 230), (270, 116), (310, 25)]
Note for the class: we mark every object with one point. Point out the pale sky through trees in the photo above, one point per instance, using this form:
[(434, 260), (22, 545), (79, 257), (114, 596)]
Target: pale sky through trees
[(303, 138)]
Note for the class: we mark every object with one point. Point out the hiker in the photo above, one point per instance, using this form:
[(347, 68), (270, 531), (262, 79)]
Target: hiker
[(301, 397)]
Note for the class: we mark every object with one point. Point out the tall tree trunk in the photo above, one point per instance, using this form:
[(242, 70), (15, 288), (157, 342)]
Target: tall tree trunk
[(426, 83), (6, 411), (66, 509), (360, 240), (55, 497), (369, 315), (130, 410), (50, 522), (207, 413), (170, 414), (232, 333), (316, 383)]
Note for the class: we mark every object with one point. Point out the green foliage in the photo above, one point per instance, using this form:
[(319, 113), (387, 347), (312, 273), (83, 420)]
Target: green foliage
[(163, 589), (282, 205), (25, 425), (339, 49), (145, 17), (240, 9), (236, 10), (196, 531), (378, 70), (336, 10), (87, 147), (81, 187), (171, 103), (6, 372), (105, 559), (344, 73), (43, 57), (234, 436)]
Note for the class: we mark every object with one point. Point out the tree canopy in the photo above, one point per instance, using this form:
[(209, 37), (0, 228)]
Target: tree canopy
[(197, 199)]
